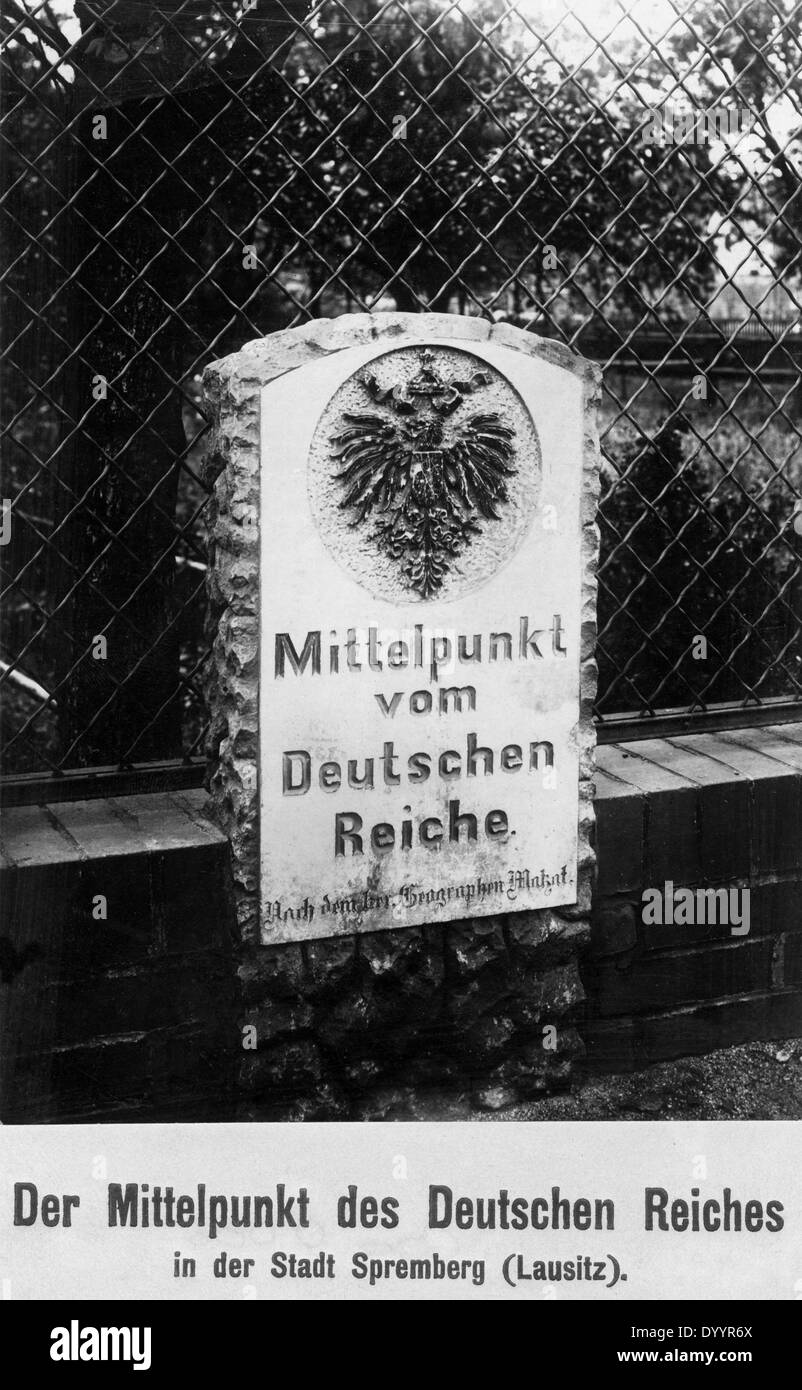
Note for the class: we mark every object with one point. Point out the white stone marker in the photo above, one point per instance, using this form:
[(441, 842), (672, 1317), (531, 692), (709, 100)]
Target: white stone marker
[(416, 538)]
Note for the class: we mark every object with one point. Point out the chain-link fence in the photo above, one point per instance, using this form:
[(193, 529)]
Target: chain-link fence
[(621, 174)]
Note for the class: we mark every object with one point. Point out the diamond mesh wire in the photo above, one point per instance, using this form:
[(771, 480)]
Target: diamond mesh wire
[(183, 176)]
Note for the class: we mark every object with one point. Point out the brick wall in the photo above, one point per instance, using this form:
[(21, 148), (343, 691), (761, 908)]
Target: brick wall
[(701, 810), (128, 1016), (140, 1015)]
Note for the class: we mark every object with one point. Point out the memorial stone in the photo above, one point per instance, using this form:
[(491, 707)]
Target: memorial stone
[(402, 585)]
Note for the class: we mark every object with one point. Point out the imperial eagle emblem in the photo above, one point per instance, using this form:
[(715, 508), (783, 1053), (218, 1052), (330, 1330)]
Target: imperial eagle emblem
[(429, 482)]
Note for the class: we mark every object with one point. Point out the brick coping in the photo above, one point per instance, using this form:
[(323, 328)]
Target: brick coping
[(66, 831)]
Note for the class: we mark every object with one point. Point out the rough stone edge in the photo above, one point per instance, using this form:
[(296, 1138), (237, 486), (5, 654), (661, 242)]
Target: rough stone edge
[(231, 468)]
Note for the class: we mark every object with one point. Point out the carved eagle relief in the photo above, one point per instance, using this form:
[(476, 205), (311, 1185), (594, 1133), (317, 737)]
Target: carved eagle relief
[(428, 481)]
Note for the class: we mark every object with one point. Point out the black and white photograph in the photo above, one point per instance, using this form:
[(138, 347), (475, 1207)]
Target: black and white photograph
[(401, 656)]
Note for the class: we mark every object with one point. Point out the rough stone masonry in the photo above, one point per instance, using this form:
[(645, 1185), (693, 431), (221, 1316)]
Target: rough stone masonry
[(403, 549)]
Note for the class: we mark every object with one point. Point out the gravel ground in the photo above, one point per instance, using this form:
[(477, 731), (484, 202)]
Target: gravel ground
[(736, 1083)]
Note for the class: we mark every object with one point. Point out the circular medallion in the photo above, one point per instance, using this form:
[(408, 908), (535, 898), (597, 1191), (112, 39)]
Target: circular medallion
[(423, 473)]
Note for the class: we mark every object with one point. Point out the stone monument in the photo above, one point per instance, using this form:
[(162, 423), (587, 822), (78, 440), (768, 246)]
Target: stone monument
[(402, 596)]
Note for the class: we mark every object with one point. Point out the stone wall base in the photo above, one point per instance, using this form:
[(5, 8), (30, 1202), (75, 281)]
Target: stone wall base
[(396, 1023)]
